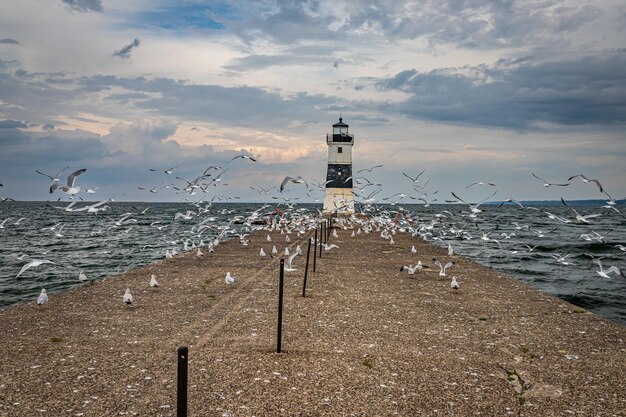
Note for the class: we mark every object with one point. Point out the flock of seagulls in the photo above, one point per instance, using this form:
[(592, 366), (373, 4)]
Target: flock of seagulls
[(204, 226)]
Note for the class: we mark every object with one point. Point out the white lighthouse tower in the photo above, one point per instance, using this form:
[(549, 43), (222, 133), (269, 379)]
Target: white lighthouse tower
[(338, 197)]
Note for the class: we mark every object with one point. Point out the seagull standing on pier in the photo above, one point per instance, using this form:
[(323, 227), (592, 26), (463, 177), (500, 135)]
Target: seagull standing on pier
[(43, 298), (128, 297), (454, 283)]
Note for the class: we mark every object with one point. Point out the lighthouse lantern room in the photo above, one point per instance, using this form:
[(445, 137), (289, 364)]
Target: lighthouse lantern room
[(338, 197)]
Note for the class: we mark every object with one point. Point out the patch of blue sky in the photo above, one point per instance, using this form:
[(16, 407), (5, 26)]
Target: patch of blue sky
[(181, 16)]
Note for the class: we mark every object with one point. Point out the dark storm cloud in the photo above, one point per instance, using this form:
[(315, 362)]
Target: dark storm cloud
[(8, 41), (472, 24), (590, 90), (84, 5), (126, 50), (12, 124), (240, 106)]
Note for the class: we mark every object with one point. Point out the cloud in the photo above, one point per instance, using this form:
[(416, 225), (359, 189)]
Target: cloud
[(8, 41), (126, 50), (12, 124), (589, 90), (84, 5)]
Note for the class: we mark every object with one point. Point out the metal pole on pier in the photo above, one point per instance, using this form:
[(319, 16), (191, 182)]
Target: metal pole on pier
[(315, 250), (321, 239), (306, 268), (181, 397), (281, 284)]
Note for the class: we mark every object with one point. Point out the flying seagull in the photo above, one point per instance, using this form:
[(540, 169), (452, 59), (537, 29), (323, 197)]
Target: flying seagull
[(442, 268), (547, 184), (369, 169), (242, 156), (587, 181), (167, 171), (480, 183), (54, 178), (69, 188), (579, 217), (297, 180), (605, 273), (416, 179), (32, 264)]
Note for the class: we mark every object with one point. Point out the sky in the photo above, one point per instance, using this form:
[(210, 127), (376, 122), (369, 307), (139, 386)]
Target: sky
[(474, 90)]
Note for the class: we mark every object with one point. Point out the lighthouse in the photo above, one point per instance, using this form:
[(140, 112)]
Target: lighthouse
[(338, 197)]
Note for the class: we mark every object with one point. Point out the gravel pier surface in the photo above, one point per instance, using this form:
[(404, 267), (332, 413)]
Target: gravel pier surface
[(368, 340)]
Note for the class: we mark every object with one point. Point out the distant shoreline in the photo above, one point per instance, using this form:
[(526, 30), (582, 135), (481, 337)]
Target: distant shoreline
[(620, 202)]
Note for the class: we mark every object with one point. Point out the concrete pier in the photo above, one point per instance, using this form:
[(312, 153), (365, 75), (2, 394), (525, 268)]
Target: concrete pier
[(368, 340)]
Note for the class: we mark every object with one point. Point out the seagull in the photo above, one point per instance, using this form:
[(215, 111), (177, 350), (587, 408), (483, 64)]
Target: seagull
[(369, 169), (286, 251), (229, 279), (274, 250), (605, 274), (242, 156), (587, 181), (32, 264), (43, 298), (450, 250), (153, 281), (199, 252), (562, 259), (329, 247), (579, 218), (4, 221), (297, 180), (511, 200), (57, 229), (555, 217), (262, 253), (69, 188), (416, 179), (442, 268), (268, 238), (167, 171), (81, 276), (288, 267), (473, 206), (262, 190), (480, 183), (128, 297), (54, 178), (411, 269), (413, 250), (454, 283), (547, 184)]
